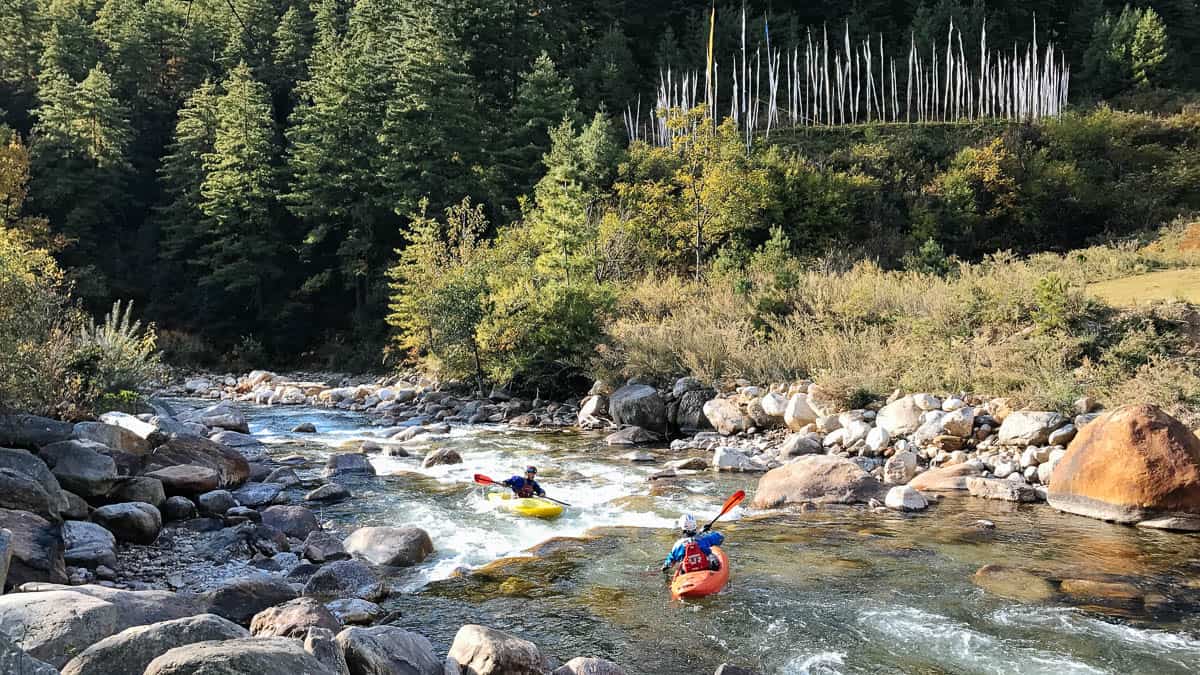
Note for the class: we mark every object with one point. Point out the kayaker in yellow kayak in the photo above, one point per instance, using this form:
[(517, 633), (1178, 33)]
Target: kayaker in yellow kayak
[(525, 487)]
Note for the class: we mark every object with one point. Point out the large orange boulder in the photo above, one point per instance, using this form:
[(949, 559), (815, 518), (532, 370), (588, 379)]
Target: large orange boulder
[(817, 478), (1135, 464)]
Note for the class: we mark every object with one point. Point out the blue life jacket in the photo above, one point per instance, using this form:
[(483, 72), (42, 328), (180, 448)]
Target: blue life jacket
[(705, 540), (524, 488)]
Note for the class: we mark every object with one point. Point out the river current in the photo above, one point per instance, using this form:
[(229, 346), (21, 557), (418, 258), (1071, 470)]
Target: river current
[(834, 590)]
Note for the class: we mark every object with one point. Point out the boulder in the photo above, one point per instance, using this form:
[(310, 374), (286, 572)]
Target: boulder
[(479, 650), (60, 622), (1063, 435), (138, 489), (355, 611), (586, 665), (329, 492), (36, 549), (1134, 463), (946, 479), (136, 522), (304, 428), (77, 508), (321, 546), (905, 498), (260, 656), (800, 444), (231, 467), (900, 417), (135, 425), (798, 413), (394, 546), (817, 478), (733, 459), (15, 661), (246, 445), (186, 479), (240, 599), (294, 521), (284, 476), (80, 468), (178, 508), (725, 416), (131, 650), (877, 440), (900, 468), (88, 545), (442, 456), (855, 431), (689, 416), (632, 436), (1002, 490), (1028, 427), (1013, 584), (593, 410), (638, 405), (112, 436), (22, 492), (685, 384), (224, 415), (293, 619), (959, 422), (774, 405), (348, 463), (387, 650), (30, 465), (32, 432), (216, 502), (345, 579), (321, 643), (255, 495)]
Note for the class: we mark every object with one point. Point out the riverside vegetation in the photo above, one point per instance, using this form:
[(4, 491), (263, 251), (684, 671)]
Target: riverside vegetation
[(868, 321)]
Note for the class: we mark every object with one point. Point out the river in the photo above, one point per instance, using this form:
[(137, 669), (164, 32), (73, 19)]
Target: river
[(837, 590)]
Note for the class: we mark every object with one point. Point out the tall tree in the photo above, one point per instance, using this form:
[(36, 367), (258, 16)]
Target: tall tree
[(292, 44), (80, 174), (182, 221), (611, 75), (544, 99), (1149, 49), (22, 23), (243, 255)]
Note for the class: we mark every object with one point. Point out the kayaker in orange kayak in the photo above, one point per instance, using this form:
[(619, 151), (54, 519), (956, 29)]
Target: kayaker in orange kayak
[(693, 552), (525, 487)]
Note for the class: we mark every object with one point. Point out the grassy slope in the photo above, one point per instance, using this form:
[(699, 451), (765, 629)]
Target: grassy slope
[(1180, 284)]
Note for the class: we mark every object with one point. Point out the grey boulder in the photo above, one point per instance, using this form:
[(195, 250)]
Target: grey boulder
[(393, 546), (259, 656), (388, 650), (131, 650)]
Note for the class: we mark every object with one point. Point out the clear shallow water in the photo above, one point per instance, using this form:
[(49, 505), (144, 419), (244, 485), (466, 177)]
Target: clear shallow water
[(828, 591)]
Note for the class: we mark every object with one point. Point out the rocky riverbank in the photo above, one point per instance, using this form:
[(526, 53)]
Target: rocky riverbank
[(174, 544)]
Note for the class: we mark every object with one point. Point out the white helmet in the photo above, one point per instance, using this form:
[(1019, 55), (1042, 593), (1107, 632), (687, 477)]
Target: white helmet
[(687, 522)]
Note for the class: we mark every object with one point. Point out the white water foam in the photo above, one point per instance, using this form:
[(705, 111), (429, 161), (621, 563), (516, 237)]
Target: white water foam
[(921, 636), (825, 663), (1179, 649)]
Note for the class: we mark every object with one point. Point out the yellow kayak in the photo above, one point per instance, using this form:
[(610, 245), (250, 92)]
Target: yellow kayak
[(532, 507)]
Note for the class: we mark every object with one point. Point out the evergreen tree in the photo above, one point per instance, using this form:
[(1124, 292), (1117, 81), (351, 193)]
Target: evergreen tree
[(242, 257), (430, 131), (249, 26), (182, 221), (81, 171), (611, 75), (70, 42), (544, 99), (1149, 49), (22, 23), (292, 45)]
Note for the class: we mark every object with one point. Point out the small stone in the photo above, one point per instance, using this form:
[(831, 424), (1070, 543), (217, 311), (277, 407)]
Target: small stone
[(329, 492)]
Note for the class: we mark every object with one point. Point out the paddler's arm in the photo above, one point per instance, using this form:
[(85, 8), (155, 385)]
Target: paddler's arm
[(537, 489), (673, 557)]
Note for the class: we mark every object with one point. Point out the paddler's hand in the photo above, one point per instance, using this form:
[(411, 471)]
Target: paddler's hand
[(664, 568), (706, 528)]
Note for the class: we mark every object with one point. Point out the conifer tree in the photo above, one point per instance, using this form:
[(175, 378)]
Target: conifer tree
[(80, 172), (242, 256), (291, 46), (544, 99), (611, 75), (22, 24), (181, 221), (1149, 49)]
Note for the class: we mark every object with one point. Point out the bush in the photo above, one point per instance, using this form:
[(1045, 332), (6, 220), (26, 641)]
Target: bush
[(126, 353)]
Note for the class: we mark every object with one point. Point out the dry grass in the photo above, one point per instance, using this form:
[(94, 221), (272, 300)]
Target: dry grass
[(1024, 328), (1171, 285)]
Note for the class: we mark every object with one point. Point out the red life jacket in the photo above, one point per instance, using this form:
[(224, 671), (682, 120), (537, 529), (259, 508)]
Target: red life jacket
[(694, 559)]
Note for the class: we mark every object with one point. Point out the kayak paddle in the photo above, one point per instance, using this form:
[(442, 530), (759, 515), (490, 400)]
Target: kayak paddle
[(484, 480), (734, 499)]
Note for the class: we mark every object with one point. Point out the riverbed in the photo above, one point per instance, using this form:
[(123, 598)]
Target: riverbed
[(833, 590)]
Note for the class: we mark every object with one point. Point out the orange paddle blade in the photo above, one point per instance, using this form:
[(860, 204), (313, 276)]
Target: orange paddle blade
[(483, 480), (734, 499)]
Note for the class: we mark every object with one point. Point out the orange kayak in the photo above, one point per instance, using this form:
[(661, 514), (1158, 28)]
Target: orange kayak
[(700, 584)]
